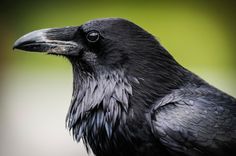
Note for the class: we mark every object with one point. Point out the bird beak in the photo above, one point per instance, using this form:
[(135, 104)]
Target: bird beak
[(52, 41)]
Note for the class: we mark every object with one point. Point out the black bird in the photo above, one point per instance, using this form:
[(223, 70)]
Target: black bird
[(130, 96)]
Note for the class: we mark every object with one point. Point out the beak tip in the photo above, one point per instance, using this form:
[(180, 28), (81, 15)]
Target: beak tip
[(28, 38), (15, 46), (18, 43)]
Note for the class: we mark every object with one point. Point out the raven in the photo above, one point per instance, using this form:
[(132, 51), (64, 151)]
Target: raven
[(130, 96)]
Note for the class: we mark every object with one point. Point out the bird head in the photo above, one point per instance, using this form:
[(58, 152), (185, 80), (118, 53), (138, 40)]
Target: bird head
[(109, 44)]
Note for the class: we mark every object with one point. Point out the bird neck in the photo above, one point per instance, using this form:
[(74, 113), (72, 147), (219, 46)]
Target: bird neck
[(157, 73), (99, 103)]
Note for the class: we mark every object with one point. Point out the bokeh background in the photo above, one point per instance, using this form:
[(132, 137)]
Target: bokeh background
[(35, 89)]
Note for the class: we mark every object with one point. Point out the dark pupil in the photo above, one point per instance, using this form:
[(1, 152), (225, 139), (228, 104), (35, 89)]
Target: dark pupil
[(93, 37)]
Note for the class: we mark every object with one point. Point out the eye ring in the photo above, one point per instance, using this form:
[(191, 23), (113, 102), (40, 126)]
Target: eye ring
[(93, 36)]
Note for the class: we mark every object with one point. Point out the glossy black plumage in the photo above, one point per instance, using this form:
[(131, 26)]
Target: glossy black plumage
[(130, 97)]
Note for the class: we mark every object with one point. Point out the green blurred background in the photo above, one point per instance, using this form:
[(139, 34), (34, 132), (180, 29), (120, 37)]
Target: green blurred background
[(36, 89)]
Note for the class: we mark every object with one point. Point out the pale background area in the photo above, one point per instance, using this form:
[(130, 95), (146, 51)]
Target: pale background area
[(36, 89), (35, 105)]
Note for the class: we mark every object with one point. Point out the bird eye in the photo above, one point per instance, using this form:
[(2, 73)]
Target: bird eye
[(93, 36)]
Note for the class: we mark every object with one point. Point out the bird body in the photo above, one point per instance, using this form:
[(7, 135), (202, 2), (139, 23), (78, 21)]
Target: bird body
[(130, 96)]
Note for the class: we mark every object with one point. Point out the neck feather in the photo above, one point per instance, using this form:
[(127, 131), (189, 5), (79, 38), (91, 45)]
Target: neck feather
[(98, 103)]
